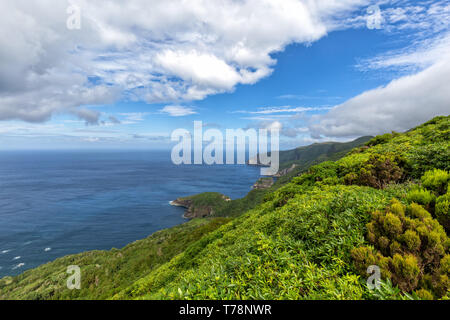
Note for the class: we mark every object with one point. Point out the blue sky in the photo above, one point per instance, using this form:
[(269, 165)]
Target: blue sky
[(321, 72)]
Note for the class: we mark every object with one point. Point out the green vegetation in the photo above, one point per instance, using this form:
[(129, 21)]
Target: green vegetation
[(412, 249), (203, 205), (385, 204), (300, 250), (106, 272), (305, 157)]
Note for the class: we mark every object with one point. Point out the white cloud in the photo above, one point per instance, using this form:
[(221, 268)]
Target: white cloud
[(401, 105), (421, 54), (285, 109), (156, 51), (177, 111), (205, 70), (133, 117), (421, 94)]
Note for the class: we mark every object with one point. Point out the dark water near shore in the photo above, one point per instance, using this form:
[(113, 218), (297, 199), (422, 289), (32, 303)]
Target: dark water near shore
[(58, 203)]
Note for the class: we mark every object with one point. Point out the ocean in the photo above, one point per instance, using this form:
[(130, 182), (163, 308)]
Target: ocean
[(57, 203)]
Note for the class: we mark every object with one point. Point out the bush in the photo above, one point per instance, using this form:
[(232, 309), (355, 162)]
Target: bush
[(378, 172), (428, 157), (380, 140), (405, 271), (424, 294), (410, 247), (442, 210), (421, 196), (436, 180)]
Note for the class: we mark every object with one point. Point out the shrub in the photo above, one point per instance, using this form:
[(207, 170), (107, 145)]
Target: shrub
[(436, 180), (392, 224), (380, 140), (410, 247), (378, 172), (412, 240), (428, 157), (445, 265), (421, 196), (406, 271), (424, 294), (417, 211), (442, 210)]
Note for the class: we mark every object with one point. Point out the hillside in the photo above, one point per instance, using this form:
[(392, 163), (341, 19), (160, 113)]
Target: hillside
[(384, 204), (303, 158), (318, 152), (106, 272)]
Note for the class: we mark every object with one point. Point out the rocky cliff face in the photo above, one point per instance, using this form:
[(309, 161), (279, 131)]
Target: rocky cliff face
[(285, 171), (263, 183)]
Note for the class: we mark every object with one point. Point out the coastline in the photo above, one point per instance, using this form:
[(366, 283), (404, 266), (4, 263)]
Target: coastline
[(201, 205)]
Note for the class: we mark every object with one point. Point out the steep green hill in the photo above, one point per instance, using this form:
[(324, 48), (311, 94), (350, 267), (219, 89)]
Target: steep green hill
[(318, 152), (384, 204), (104, 273)]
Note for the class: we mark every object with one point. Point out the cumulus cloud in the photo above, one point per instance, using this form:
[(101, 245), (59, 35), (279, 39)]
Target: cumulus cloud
[(153, 51), (401, 105)]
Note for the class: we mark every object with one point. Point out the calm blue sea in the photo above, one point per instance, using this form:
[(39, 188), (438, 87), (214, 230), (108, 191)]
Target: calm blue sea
[(58, 203)]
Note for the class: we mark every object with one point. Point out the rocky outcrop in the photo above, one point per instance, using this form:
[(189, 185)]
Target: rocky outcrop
[(286, 171), (263, 183), (194, 210), (191, 210)]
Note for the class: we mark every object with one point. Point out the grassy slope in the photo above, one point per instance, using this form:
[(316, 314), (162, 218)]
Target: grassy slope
[(106, 272), (298, 250), (296, 245), (304, 158)]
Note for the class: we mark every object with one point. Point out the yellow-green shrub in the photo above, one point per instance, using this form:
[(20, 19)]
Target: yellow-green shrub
[(410, 247), (436, 180), (442, 210), (421, 196), (424, 294)]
